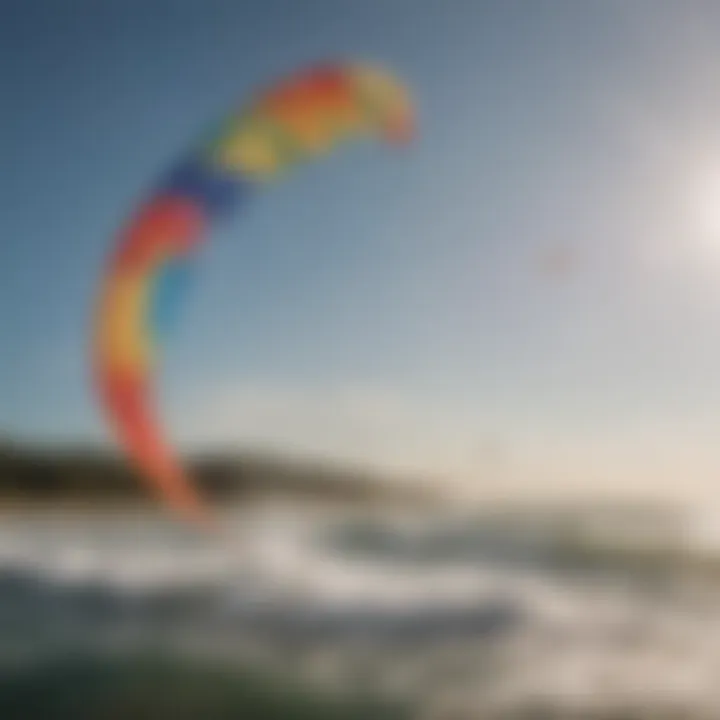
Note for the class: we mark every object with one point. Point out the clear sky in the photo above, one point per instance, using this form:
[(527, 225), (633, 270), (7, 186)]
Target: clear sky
[(382, 305)]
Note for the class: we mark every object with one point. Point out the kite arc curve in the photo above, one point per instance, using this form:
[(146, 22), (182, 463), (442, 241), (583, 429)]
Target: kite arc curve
[(294, 120)]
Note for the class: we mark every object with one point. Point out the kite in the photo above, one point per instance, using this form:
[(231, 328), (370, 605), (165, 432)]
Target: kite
[(290, 122)]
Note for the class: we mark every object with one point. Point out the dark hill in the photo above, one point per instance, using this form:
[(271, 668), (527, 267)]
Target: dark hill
[(38, 472)]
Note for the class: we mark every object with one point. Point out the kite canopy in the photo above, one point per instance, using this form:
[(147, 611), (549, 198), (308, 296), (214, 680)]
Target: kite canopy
[(295, 120)]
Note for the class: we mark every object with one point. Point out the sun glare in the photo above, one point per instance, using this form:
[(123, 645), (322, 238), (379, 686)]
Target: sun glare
[(703, 208)]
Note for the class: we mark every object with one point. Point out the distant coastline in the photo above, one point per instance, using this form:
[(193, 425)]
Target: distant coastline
[(37, 475)]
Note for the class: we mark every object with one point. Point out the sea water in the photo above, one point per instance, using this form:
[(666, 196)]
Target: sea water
[(432, 608)]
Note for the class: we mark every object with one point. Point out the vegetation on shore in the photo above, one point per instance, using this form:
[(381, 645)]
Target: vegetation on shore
[(43, 473)]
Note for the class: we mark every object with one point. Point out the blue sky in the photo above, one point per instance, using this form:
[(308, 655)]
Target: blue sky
[(381, 305)]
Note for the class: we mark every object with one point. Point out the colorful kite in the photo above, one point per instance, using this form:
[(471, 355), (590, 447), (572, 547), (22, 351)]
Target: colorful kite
[(295, 120)]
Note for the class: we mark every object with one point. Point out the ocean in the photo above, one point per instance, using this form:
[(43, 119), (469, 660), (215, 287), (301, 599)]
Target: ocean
[(427, 613)]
